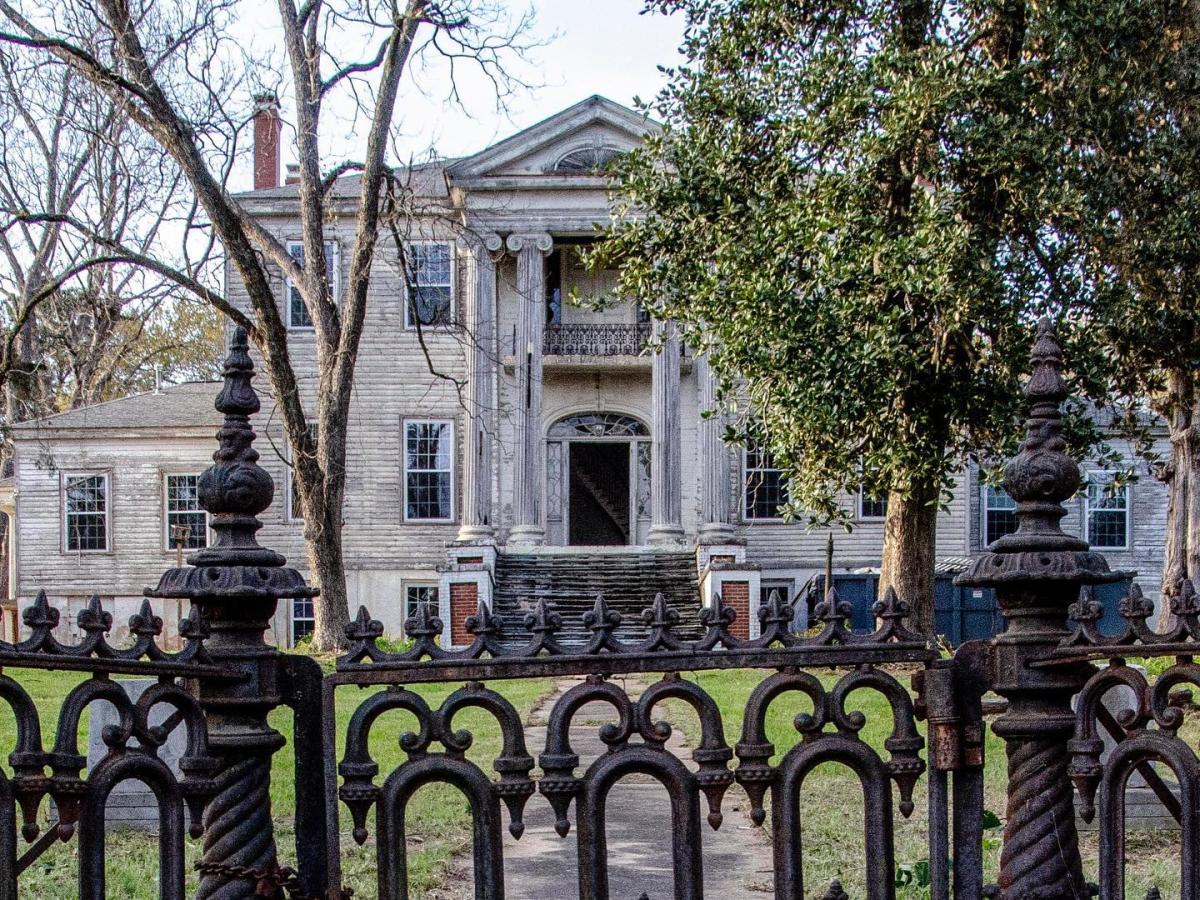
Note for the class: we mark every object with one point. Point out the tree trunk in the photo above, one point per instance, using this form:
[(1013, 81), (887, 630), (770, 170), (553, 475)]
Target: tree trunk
[(1181, 552), (323, 541), (1191, 460), (910, 533)]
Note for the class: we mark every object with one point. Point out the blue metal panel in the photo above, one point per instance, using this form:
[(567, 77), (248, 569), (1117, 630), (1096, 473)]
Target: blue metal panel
[(857, 589), (1110, 596)]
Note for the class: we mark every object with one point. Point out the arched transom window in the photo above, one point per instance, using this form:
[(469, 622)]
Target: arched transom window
[(598, 425), (585, 160)]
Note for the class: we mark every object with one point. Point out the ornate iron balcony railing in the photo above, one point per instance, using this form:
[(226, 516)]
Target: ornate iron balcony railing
[(596, 340)]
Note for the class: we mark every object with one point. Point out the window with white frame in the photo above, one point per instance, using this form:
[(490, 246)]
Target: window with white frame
[(999, 513), (430, 280), (419, 593), (85, 512), (428, 470), (1106, 512), (294, 511), (297, 312), (185, 523), (778, 586), (870, 507), (304, 619), (766, 484)]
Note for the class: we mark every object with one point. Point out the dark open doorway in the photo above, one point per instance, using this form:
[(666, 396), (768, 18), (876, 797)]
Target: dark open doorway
[(599, 485)]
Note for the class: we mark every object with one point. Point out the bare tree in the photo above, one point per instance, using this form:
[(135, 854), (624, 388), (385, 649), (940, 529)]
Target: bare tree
[(78, 325), (177, 71)]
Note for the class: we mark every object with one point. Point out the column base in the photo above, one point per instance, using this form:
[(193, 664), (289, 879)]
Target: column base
[(475, 534), (527, 535), (666, 536), (716, 533)]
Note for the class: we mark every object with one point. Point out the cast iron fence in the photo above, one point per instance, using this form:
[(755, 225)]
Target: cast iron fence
[(226, 680)]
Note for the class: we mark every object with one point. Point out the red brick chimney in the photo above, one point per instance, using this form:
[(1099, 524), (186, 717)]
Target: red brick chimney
[(268, 127)]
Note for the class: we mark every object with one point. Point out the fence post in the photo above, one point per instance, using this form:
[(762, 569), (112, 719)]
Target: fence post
[(234, 586), (1037, 572)]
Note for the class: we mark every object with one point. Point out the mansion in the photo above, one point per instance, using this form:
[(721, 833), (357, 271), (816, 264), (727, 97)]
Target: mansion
[(509, 439)]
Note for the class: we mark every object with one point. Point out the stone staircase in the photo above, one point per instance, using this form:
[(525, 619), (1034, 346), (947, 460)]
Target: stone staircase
[(569, 582)]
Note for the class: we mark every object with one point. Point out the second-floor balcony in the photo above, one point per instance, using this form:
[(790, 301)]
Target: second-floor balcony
[(606, 339)]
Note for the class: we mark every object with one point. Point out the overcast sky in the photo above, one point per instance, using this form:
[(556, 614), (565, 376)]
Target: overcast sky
[(589, 47)]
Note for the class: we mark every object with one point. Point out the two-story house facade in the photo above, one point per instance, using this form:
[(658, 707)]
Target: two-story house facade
[(508, 441)]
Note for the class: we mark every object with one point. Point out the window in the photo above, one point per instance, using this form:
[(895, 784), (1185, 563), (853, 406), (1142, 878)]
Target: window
[(999, 513), (303, 619), (1106, 512), (782, 588), (586, 160), (85, 513), (297, 312), (871, 507), (428, 471), (419, 593), (430, 279), (766, 485), (185, 522), (293, 511)]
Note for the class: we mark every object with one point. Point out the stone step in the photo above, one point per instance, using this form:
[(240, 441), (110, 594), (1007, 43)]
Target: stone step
[(570, 583)]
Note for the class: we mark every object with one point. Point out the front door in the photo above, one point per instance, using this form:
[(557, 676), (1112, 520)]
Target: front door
[(598, 487)]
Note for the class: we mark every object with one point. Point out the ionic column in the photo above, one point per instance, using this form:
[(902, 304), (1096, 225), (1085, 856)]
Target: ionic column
[(666, 492), (481, 355), (528, 464), (716, 524)]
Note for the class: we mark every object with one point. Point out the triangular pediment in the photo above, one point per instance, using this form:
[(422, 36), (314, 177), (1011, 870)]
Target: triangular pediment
[(595, 125)]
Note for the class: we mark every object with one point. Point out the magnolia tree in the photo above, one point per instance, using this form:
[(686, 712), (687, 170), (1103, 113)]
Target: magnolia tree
[(180, 73), (1132, 159), (848, 209)]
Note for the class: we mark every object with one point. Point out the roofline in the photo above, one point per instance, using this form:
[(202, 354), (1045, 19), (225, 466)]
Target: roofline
[(265, 193), (512, 146), (48, 421)]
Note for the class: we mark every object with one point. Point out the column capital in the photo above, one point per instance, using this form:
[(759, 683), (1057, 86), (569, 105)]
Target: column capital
[(484, 240), (539, 240)]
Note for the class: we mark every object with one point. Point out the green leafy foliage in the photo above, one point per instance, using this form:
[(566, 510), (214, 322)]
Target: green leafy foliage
[(843, 208)]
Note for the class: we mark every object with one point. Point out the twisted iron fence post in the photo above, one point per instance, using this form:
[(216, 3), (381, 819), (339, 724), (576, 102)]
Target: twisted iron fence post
[(1037, 572), (234, 586)]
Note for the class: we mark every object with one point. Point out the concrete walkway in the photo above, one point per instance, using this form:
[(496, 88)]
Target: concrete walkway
[(737, 858)]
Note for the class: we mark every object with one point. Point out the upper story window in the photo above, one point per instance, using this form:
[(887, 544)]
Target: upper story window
[(428, 470), (185, 523), (294, 511), (430, 280), (1106, 512), (297, 312), (871, 507), (85, 512), (766, 485), (999, 513), (585, 160)]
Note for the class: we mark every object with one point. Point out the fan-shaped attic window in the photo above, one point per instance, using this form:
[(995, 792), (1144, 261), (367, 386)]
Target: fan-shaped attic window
[(585, 160)]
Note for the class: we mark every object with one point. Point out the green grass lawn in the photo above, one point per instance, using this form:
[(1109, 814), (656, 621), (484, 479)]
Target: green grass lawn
[(438, 819), (831, 807)]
